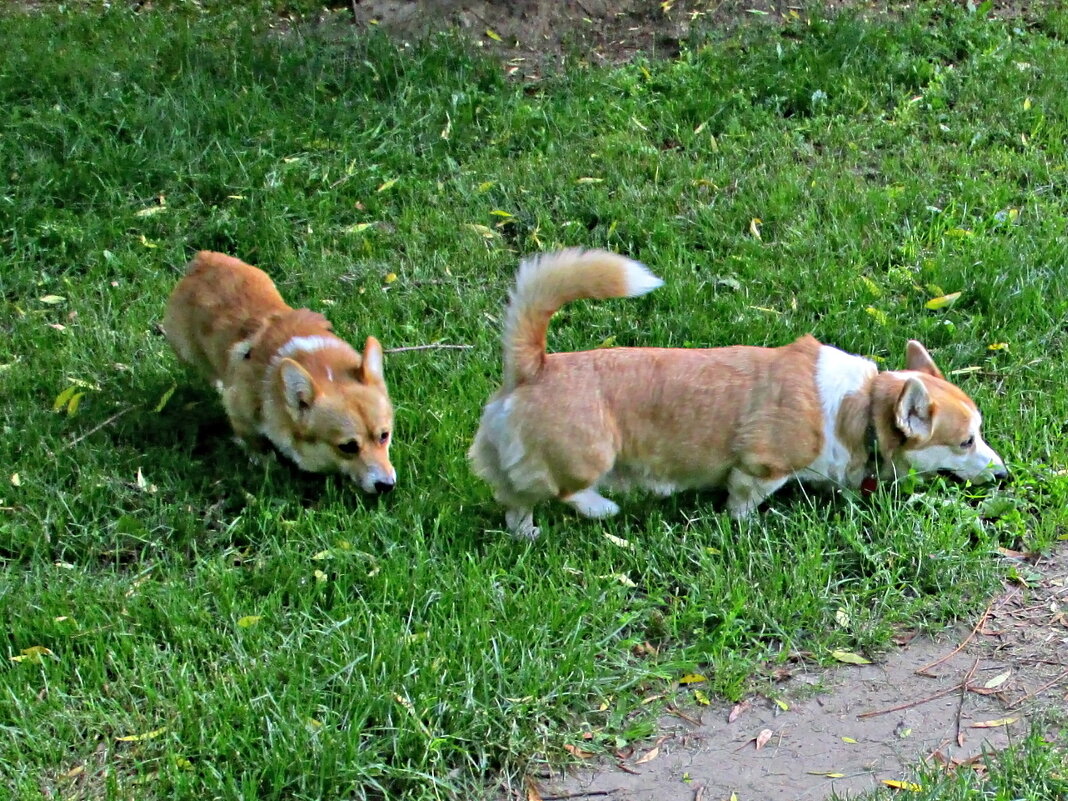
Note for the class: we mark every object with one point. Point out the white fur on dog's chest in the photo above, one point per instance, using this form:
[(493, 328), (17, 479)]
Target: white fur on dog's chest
[(838, 375)]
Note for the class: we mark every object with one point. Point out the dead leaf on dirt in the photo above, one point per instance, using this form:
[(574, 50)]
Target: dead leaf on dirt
[(692, 678), (993, 724), (762, 738), (648, 756), (850, 658), (574, 750), (998, 680), (737, 710), (841, 617), (830, 774), (701, 697), (533, 794)]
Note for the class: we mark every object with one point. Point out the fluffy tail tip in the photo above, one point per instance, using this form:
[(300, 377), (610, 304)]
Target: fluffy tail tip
[(640, 280)]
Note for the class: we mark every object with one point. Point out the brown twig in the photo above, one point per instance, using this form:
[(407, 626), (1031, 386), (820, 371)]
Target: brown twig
[(1041, 689), (589, 794), (960, 706), (96, 428), (899, 707), (924, 670), (431, 346)]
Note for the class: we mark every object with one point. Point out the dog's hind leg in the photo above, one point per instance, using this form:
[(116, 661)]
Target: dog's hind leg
[(590, 503), (746, 492)]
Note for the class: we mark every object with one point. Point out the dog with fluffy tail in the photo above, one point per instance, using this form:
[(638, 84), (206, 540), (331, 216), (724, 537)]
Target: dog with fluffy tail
[(745, 418)]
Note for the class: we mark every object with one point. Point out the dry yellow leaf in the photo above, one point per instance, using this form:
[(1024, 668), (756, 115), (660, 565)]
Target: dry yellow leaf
[(492, 34), (942, 301), (993, 724), (249, 620), (148, 735), (897, 784), (850, 658), (762, 738), (387, 185), (998, 680), (693, 678), (754, 227)]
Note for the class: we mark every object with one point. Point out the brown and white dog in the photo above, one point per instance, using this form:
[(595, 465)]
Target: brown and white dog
[(745, 418), (282, 373)]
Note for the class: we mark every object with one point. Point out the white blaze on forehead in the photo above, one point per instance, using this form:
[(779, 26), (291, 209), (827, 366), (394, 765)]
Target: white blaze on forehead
[(310, 344)]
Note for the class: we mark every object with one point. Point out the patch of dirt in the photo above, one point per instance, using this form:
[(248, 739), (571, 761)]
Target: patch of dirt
[(847, 729)]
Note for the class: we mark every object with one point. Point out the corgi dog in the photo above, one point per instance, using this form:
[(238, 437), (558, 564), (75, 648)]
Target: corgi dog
[(282, 373), (747, 419)]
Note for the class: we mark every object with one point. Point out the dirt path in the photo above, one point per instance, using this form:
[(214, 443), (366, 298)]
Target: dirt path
[(1014, 666)]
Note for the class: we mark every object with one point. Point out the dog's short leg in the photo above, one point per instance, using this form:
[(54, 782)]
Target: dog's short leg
[(590, 503), (520, 521), (746, 492)]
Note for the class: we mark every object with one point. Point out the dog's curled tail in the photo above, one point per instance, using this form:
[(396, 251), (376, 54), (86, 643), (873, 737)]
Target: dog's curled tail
[(546, 282)]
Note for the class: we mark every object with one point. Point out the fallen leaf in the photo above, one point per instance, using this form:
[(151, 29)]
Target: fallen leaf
[(850, 658), (648, 756), (897, 784), (588, 180), (849, 740), (483, 230), (16, 480), (53, 300), (357, 228), (532, 790), (574, 750), (493, 35), (77, 770), (737, 710), (249, 620), (148, 735), (32, 654), (149, 211), (692, 678), (754, 227), (997, 346), (785, 707), (878, 315), (166, 396), (841, 617), (828, 774), (618, 541), (63, 398), (701, 697), (942, 301), (998, 680), (993, 724), (387, 185), (390, 278), (762, 738)]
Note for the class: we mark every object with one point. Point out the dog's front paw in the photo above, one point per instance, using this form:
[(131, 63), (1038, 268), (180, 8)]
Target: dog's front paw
[(590, 503), (521, 524)]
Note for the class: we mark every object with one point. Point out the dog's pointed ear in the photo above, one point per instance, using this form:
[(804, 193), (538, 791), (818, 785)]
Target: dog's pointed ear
[(912, 414), (298, 387), (371, 370), (917, 358)]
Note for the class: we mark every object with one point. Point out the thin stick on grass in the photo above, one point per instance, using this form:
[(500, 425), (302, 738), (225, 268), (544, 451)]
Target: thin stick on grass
[(431, 346), (96, 428), (923, 671), (589, 794)]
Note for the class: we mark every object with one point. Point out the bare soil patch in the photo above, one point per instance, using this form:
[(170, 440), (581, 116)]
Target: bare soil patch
[(847, 729)]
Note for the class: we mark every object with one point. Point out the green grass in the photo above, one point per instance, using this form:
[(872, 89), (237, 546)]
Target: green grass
[(1030, 770), (407, 648)]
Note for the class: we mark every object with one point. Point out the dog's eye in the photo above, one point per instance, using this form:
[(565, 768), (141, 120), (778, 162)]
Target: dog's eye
[(349, 447), (384, 437), (967, 444)]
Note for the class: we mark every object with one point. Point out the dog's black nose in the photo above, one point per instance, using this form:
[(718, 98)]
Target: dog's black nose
[(1001, 475), (382, 487)]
